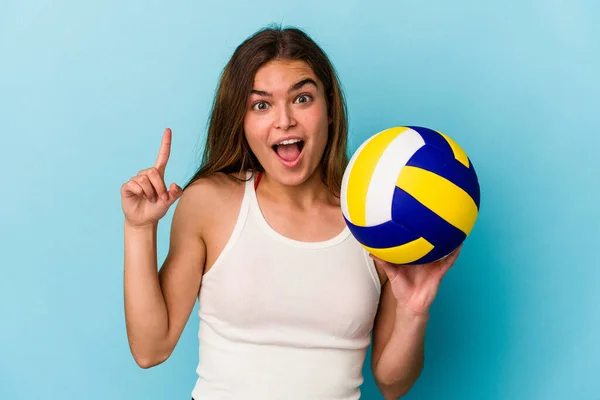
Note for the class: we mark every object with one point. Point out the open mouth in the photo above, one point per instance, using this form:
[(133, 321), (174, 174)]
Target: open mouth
[(289, 151)]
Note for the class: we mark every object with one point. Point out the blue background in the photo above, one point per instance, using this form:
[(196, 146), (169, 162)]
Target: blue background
[(87, 88)]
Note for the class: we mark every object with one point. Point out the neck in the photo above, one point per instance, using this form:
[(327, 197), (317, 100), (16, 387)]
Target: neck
[(305, 195)]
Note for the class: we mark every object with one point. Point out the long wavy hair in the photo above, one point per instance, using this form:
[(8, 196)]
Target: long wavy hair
[(226, 149)]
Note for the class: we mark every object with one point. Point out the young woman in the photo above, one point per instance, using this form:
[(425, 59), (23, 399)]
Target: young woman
[(288, 298)]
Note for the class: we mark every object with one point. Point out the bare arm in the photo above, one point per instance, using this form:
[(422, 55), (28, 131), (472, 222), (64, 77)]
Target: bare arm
[(158, 303), (398, 347), (399, 331)]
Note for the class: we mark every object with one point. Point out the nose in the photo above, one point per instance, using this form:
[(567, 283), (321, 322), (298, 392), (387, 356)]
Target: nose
[(284, 118)]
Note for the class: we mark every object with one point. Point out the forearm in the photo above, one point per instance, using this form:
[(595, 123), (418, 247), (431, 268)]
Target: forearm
[(402, 358), (145, 308)]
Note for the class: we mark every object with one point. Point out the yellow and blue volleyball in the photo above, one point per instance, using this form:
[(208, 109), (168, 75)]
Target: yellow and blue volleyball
[(410, 195)]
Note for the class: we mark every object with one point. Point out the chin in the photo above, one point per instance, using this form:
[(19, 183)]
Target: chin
[(291, 177)]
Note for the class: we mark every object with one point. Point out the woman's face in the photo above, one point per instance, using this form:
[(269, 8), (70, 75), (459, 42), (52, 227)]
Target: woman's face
[(286, 122)]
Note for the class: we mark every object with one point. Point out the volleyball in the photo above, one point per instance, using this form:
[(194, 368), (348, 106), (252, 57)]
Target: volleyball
[(410, 195)]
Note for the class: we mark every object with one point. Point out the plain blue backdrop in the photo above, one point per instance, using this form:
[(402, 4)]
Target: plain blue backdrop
[(87, 88)]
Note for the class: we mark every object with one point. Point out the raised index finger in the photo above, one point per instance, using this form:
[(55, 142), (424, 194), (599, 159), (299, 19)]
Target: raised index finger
[(164, 152)]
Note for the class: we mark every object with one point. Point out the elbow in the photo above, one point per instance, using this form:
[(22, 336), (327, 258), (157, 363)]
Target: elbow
[(148, 359), (393, 389), (148, 362), (397, 394)]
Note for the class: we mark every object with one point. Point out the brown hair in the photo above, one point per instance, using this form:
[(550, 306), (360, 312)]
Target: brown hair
[(226, 148)]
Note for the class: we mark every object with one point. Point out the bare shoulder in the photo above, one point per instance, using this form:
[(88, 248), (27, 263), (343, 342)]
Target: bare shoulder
[(209, 197)]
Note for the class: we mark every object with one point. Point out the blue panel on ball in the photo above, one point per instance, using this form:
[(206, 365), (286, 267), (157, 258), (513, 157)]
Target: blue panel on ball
[(476, 188), (432, 256), (417, 218), (388, 234), (433, 138), (433, 159)]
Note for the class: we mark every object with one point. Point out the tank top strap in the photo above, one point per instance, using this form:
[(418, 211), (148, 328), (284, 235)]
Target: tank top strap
[(243, 211), (257, 179)]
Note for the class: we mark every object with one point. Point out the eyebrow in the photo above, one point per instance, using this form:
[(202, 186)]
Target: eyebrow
[(294, 87)]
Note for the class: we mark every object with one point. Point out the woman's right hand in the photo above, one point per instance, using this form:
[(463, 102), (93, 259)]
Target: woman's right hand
[(144, 198)]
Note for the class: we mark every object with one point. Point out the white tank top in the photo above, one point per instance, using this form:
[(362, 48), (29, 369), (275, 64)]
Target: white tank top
[(284, 319)]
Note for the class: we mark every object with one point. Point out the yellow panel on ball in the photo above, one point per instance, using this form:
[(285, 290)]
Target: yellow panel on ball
[(441, 196), (403, 254)]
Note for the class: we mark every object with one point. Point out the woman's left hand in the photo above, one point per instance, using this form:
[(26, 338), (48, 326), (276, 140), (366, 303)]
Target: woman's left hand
[(415, 286)]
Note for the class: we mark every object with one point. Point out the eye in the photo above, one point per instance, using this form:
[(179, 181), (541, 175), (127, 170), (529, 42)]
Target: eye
[(304, 98), (260, 106)]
